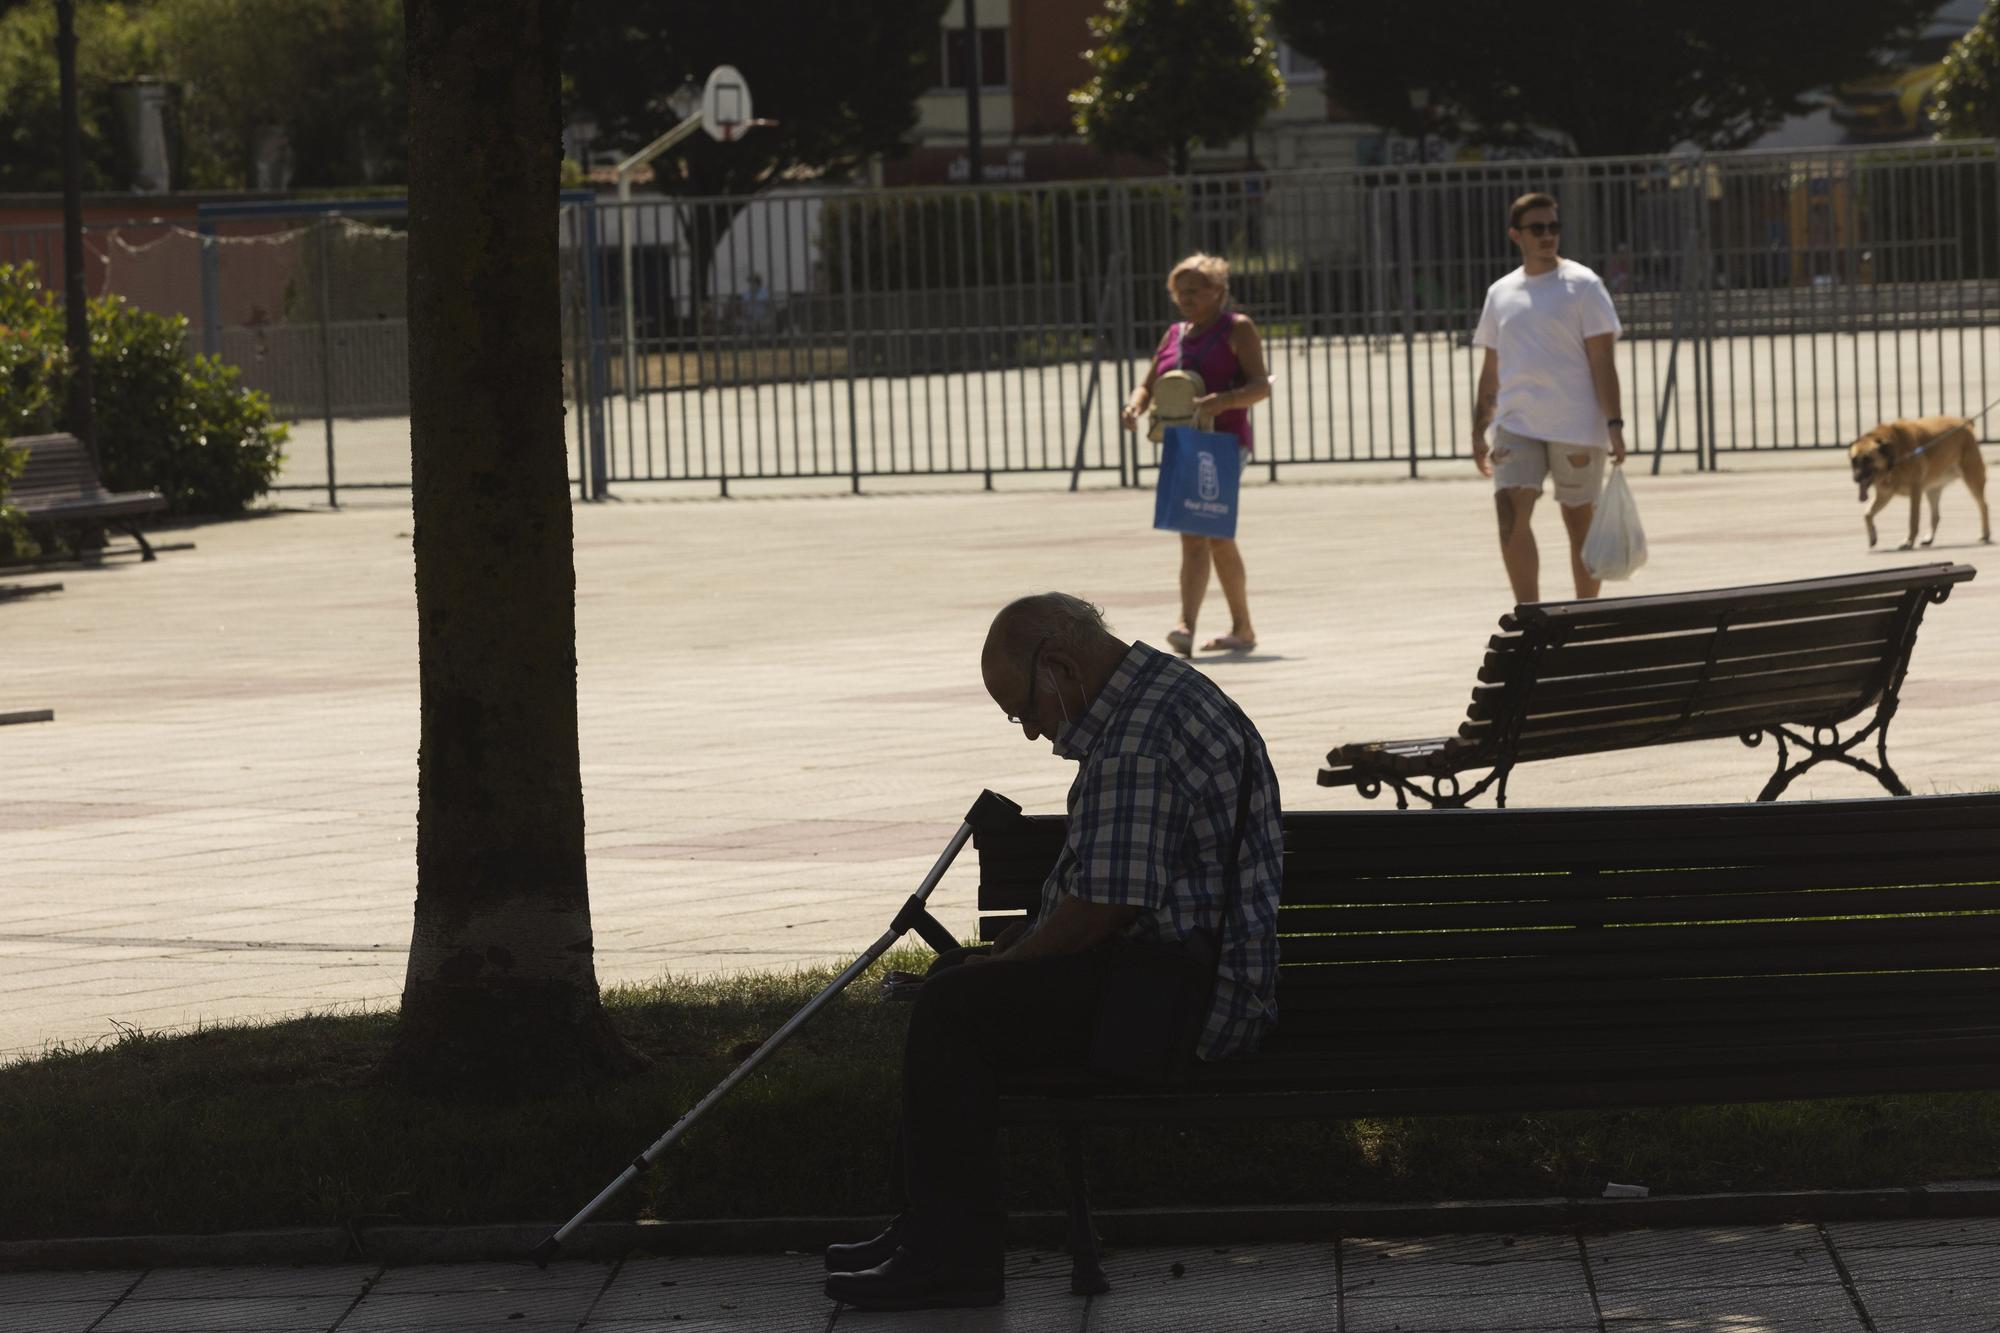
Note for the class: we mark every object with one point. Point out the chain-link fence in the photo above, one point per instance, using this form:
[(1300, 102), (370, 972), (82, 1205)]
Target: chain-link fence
[(1772, 301)]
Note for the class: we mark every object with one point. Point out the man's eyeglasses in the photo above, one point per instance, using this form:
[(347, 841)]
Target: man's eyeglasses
[(1034, 660), (1542, 228)]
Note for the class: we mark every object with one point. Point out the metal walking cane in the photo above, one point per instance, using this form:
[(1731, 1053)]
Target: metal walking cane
[(987, 810)]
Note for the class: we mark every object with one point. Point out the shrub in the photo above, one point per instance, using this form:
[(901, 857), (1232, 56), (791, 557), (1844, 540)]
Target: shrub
[(165, 421), (34, 363), (172, 423)]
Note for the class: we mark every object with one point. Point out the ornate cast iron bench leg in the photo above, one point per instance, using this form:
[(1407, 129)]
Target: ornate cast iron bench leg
[(1439, 793), (1825, 744)]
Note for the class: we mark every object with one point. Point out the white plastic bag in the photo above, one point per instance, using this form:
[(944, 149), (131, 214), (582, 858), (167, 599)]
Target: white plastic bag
[(1615, 546)]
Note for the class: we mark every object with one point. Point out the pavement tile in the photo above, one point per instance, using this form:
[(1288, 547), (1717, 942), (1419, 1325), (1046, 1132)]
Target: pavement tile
[(94, 1285), (1929, 1231), (420, 1279), (1778, 1309), (1698, 1241), (1638, 1261), (1276, 1287), (1957, 1305), (253, 1314), (1040, 1303), (1927, 1264), (52, 1316), (447, 1309), (733, 1292), (1472, 1312), (1474, 1248), (348, 1280)]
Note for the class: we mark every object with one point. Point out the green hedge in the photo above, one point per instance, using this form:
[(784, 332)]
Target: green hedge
[(165, 421)]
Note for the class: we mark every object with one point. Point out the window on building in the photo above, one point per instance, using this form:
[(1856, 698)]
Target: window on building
[(948, 66), (1297, 67)]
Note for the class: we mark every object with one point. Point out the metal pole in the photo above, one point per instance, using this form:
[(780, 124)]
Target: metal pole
[(1407, 268), (80, 411), (593, 306), (326, 358), (976, 173), (625, 302), (624, 173), (850, 207)]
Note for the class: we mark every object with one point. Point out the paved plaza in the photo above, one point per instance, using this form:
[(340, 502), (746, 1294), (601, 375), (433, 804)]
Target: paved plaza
[(782, 718), (1937, 1276)]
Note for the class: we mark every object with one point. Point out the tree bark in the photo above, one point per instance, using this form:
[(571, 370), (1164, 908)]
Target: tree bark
[(501, 993)]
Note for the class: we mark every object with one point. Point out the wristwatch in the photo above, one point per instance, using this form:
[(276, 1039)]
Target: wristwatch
[(1615, 421)]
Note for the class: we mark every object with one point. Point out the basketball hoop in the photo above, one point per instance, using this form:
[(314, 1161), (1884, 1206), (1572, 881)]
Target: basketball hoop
[(725, 104)]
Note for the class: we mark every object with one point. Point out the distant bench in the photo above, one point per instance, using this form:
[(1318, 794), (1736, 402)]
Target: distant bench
[(1585, 677), (1447, 961), (60, 485)]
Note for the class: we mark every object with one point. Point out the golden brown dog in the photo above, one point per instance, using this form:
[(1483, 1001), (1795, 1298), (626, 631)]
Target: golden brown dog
[(1919, 456)]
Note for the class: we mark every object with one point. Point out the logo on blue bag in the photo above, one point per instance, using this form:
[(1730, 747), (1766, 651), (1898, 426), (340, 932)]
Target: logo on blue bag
[(1210, 484)]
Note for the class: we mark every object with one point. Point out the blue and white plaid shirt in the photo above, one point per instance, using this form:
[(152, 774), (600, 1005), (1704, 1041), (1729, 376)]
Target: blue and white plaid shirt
[(1152, 820)]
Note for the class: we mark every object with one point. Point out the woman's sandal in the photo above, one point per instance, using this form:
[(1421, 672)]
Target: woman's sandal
[(1229, 643), (1181, 641)]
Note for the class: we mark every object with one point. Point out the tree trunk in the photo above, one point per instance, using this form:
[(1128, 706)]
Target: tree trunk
[(501, 994)]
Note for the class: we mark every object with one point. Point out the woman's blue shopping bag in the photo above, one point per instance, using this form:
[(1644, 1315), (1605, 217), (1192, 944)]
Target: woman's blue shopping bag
[(1199, 472)]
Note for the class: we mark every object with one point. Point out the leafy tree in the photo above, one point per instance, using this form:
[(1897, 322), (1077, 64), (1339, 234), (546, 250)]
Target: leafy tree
[(114, 43), (1166, 74), (841, 78), (1966, 102), (501, 993), (329, 74), (1639, 76)]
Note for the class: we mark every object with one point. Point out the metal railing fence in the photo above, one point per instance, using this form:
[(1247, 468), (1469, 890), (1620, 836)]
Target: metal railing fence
[(1771, 301)]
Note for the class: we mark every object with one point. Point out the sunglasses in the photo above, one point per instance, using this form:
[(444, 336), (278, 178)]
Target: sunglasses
[(1542, 228)]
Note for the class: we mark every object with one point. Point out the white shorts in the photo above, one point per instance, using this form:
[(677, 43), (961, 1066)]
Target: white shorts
[(1520, 463)]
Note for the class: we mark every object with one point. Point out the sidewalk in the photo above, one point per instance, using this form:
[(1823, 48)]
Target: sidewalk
[(1939, 1276), (782, 718)]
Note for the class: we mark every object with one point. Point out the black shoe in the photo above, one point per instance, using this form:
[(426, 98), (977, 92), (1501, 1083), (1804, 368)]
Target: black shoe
[(911, 1281), (864, 1254)]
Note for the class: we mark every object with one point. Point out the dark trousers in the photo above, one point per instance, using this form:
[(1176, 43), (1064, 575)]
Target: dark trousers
[(972, 1026)]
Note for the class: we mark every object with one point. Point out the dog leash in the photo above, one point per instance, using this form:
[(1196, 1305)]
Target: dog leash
[(1924, 448)]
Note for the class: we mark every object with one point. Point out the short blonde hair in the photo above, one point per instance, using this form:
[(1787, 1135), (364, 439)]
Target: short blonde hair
[(1212, 267)]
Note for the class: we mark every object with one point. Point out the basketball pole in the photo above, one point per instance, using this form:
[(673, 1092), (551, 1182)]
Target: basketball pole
[(724, 112), (625, 172)]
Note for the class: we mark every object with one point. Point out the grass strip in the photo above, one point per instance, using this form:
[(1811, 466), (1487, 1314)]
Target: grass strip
[(286, 1124)]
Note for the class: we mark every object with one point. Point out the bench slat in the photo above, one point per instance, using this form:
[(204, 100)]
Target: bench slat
[(1705, 941), (1611, 610), (1726, 680), (1409, 916), (1966, 1069), (1870, 629), (1659, 964), (1316, 880), (1706, 616), (1606, 730), (59, 483)]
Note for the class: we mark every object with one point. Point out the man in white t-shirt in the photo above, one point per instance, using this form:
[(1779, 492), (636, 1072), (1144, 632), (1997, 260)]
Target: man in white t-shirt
[(1549, 390)]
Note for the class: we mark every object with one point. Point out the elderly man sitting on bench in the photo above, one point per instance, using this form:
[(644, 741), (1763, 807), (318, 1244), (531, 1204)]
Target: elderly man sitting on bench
[(1156, 942)]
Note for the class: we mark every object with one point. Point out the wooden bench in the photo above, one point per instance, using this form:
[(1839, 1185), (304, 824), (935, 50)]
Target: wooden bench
[(60, 485), (1515, 960), (1794, 660)]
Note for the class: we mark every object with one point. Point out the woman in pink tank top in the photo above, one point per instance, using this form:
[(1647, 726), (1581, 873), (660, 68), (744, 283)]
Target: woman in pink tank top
[(1220, 345)]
